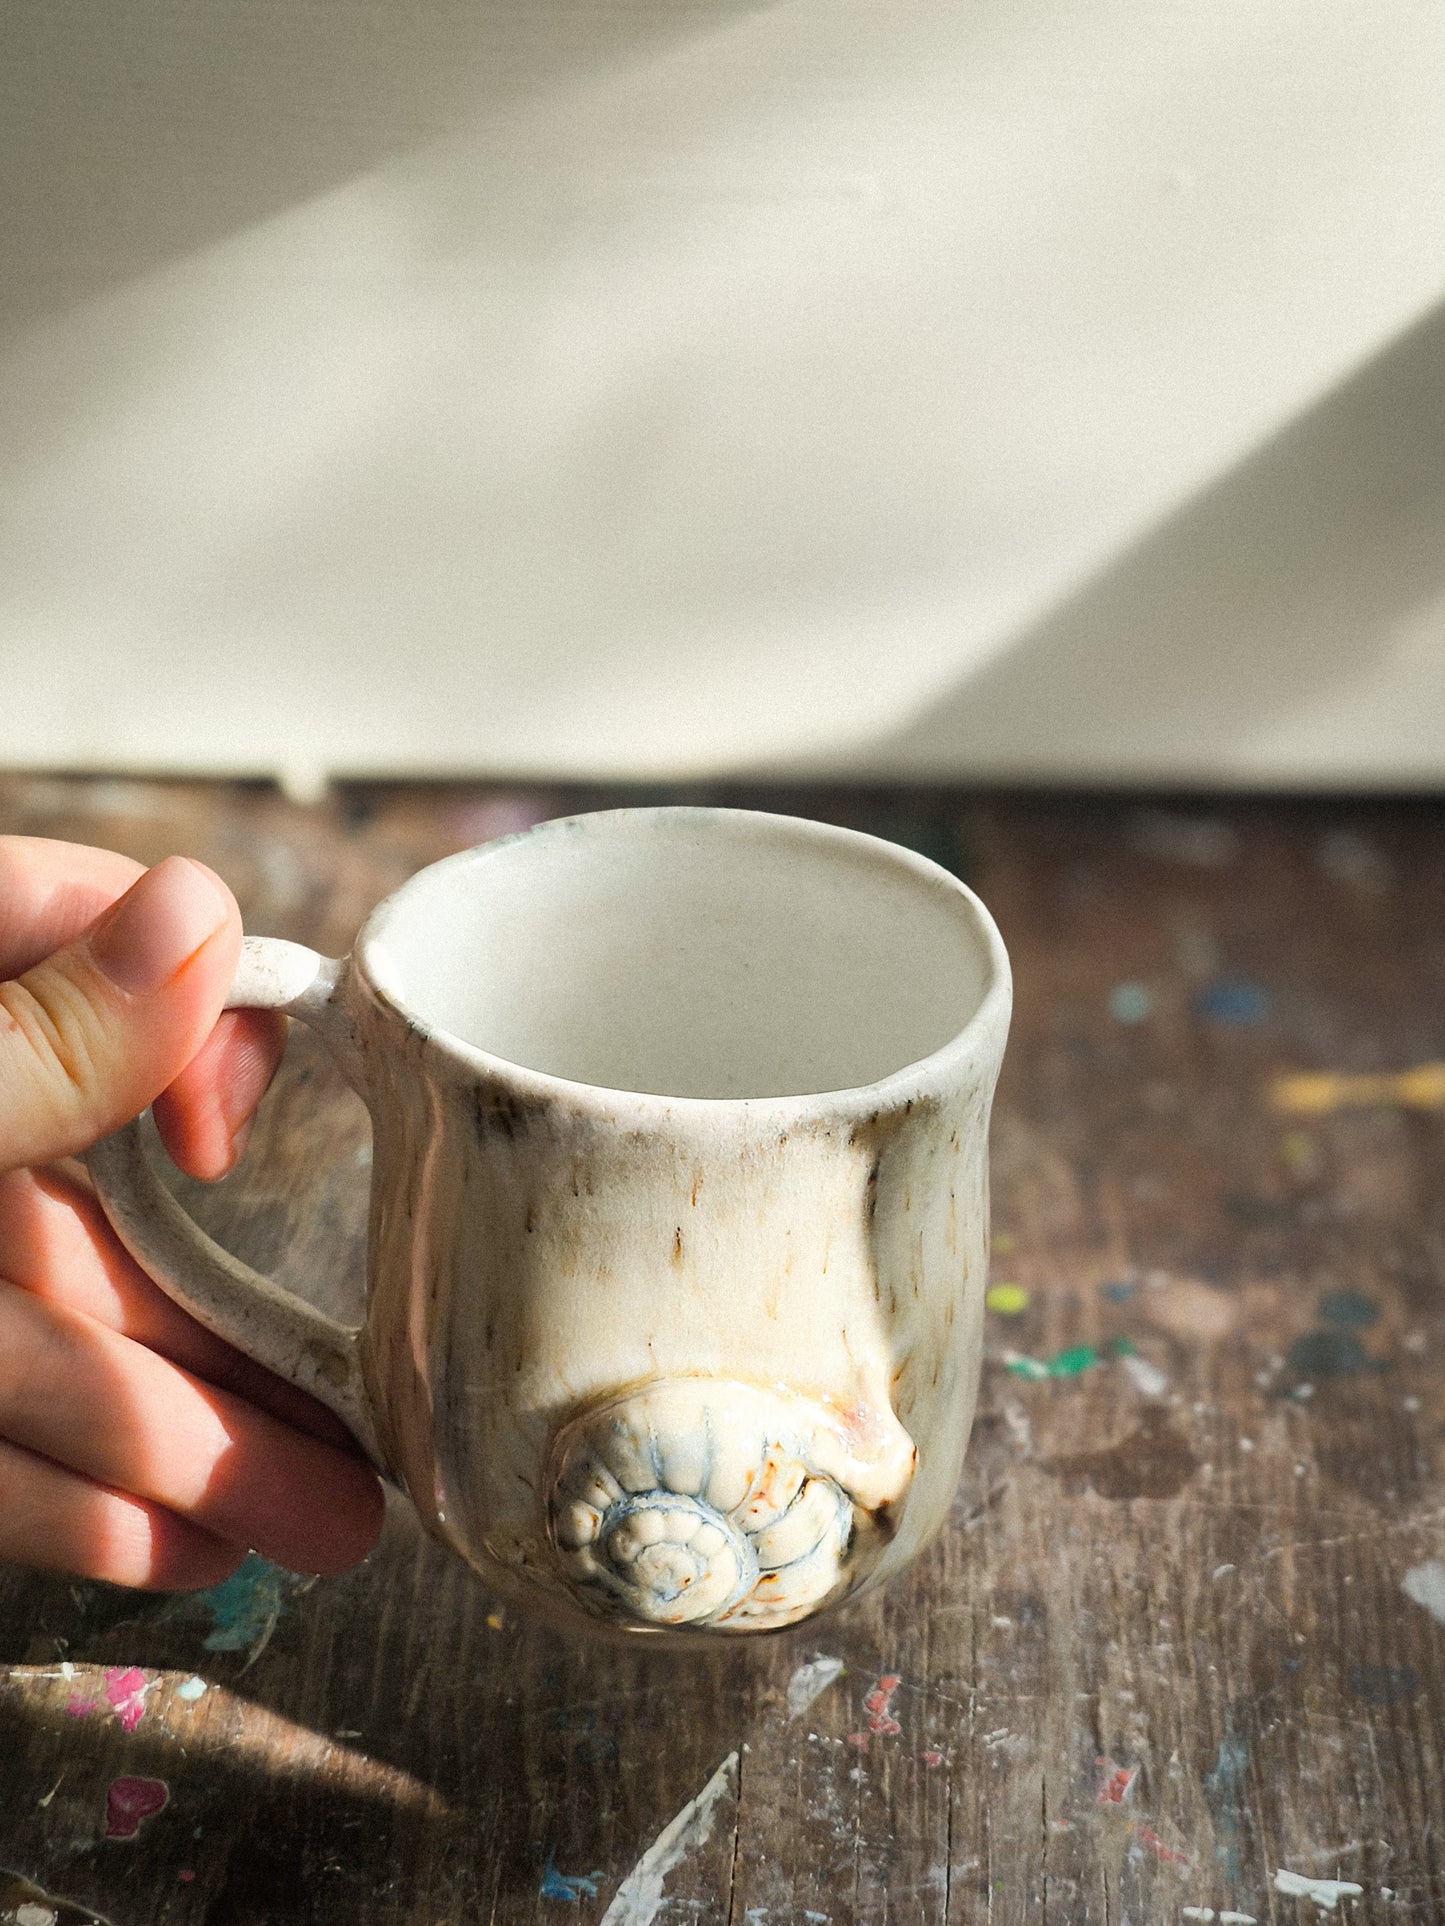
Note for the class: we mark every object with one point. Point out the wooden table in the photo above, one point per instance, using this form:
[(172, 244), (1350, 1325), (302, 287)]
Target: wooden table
[(1183, 1633)]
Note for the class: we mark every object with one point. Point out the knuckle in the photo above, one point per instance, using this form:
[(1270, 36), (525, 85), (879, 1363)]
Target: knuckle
[(45, 1014)]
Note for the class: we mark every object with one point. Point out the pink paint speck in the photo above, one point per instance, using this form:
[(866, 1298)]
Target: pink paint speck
[(1160, 1851), (129, 1801), (125, 1687), (1115, 1782), (860, 1739), (931, 1758), (77, 1706), (185, 1875), (877, 1705)]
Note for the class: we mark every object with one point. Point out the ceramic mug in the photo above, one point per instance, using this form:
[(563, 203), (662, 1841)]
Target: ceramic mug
[(679, 1207)]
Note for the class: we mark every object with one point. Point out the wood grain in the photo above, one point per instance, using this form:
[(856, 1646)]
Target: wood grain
[(1163, 1649)]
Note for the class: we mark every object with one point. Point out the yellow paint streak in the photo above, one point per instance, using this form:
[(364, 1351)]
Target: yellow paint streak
[(1317, 1093)]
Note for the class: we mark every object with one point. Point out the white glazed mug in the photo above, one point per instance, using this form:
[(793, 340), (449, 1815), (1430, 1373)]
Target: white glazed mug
[(679, 1208)]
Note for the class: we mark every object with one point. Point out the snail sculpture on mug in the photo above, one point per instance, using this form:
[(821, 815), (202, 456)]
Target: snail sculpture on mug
[(710, 1503)]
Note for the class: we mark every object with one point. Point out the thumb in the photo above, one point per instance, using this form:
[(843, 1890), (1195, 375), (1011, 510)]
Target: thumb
[(92, 1034)]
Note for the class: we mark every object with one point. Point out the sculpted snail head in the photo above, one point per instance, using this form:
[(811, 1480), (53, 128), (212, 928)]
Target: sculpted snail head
[(708, 1503)]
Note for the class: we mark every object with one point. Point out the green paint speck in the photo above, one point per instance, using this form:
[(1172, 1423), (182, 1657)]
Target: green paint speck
[(1068, 1364)]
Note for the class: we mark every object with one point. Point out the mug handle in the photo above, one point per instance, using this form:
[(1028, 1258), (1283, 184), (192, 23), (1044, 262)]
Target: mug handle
[(275, 1328)]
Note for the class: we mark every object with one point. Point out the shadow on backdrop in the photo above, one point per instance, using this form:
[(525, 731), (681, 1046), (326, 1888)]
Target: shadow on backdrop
[(131, 137), (1284, 579)]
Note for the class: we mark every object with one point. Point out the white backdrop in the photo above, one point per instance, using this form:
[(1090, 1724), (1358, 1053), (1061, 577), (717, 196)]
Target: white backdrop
[(1024, 388)]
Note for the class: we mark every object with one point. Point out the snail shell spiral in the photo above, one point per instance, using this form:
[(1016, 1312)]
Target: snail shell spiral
[(710, 1503)]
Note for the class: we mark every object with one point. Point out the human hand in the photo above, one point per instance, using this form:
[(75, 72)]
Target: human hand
[(134, 1445)]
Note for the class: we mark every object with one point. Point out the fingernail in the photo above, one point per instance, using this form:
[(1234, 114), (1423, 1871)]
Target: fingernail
[(158, 925)]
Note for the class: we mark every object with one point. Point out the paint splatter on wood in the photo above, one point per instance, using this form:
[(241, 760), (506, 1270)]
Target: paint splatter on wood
[(1116, 1782), (1130, 1003), (1009, 1300), (879, 1704), (1148, 1380), (1326, 1893), (1330, 1354), (567, 1886), (1064, 1364), (878, 1710), (246, 1608), (125, 1688), (23, 1903), (810, 1681), (129, 1801), (1164, 1853), (1351, 1310), (1317, 1093), (638, 1899), (1234, 1000), (1425, 1585)]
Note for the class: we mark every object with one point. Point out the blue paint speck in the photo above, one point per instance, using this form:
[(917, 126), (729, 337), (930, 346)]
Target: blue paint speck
[(1119, 1292), (1223, 1788), (1348, 1309), (246, 1606), (1330, 1354), (1130, 1003), (1384, 1684), (1233, 999), (568, 1886)]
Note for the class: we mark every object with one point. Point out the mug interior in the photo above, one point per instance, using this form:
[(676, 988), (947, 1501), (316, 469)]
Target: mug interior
[(688, 953)]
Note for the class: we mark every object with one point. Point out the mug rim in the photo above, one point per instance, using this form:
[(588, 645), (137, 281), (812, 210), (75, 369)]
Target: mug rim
[(987, 1025)]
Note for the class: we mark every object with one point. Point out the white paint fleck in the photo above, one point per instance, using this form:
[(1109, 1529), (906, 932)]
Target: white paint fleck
[(1302, 1393), (1237, 1919), (32, 1915), (1326, 1893), (1246, 1444), (638, 1900), (1148, 1380), (1196, 1912), (809, 1681), (1410, 1404), (191, 1689), (1220, 1570), (1019, 1428), (1425, 1584)]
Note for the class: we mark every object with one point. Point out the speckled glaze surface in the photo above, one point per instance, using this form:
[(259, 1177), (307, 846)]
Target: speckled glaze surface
[(679, 1364)]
